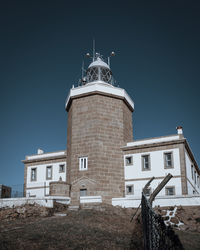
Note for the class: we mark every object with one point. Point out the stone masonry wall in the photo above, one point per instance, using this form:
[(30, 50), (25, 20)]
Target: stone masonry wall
[(97, 127), (59, 188)]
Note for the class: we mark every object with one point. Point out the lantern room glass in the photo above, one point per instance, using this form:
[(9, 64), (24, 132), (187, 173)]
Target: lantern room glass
[(98, 73)]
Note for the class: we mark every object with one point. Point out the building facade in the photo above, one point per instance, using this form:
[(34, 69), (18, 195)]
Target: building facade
[(102, 161), (157, 157), (42, 169)]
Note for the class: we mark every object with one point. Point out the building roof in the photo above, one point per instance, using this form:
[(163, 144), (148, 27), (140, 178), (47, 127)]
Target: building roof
[(45, 156), (152, 140)]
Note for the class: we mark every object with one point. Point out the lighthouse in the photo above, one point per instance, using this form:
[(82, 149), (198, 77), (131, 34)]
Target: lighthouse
[(102, 162), (99, 125)]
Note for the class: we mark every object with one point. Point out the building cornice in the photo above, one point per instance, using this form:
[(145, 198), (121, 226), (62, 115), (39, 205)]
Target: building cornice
[(99, 88), (153, 145), (51, 158)]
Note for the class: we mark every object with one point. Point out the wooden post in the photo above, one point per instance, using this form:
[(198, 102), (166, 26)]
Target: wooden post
[(159, 188), (148, 184)]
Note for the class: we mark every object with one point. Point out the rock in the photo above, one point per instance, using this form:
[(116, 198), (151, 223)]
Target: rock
[(174, 220), (163, 212), (21, 210)]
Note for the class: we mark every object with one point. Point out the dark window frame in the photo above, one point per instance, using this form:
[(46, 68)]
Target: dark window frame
[(130, 192), (131, 161), (169, 187), (62, 165), (166, 161), (34, 169), (143, 162), (49, 167)]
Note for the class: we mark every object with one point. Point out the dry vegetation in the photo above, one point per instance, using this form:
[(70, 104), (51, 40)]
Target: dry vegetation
[(103, 227)]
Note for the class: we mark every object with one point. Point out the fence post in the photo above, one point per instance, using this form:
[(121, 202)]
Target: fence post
[(159, 188)]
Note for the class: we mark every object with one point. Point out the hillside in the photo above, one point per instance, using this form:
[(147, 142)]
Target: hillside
[(103, 227)]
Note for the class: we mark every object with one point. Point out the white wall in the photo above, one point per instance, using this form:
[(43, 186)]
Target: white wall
[(41, 181), (90, 199), (47, 202), (157, 165), (189, 175), (138, 186), (134, 171), (162, 201)]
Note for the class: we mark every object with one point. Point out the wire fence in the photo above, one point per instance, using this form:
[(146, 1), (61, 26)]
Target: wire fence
[(17, 191), (157, 235)]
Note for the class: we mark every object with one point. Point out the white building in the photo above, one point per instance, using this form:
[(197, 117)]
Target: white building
[(41, 169), (157, 157), (100, 122)]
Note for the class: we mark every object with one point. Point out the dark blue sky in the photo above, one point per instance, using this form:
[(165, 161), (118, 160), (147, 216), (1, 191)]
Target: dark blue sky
[(42, 44)]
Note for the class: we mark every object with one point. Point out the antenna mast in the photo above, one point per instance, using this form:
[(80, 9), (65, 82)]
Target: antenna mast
[(93, 50), (82, 70)]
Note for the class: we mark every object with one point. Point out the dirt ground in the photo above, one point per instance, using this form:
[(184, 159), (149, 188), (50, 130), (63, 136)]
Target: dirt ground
[(105, 227), (189, 240), (82, 229)]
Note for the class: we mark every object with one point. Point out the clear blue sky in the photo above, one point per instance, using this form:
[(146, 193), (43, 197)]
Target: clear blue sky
[(42, 44)]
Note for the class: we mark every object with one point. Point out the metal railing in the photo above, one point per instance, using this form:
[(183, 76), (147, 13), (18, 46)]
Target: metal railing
[(156, 234)]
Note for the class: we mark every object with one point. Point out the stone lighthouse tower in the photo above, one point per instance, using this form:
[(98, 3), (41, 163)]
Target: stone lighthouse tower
[(99, 124)]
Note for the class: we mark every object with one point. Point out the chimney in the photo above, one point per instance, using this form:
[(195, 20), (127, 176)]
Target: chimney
[(179, 130)]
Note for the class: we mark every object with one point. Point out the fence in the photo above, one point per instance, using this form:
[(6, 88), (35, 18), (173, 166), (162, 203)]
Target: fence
[(17, 190), (157, 235)]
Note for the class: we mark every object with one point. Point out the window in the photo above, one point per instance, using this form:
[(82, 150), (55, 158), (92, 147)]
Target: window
[(198, 181), (168, 159), (145, 162), (49, 173), (62, 168), (147, 191), (128, 160), (170, 190), (33, 174), (192, 171), (83, 163), (129, 189), (83, 192)]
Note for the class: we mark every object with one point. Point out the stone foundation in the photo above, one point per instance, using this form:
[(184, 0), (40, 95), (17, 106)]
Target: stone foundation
[(59, 188)]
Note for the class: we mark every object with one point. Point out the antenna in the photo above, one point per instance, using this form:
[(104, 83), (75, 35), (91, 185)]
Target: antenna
[(82, 69), (93, 49), (111, 54)]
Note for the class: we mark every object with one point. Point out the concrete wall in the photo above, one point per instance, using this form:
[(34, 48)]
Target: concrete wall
[(47, 202), (162, 201)]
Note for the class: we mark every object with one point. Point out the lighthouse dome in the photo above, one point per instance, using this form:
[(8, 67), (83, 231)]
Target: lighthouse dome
[(99, 62), (98, 70)]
